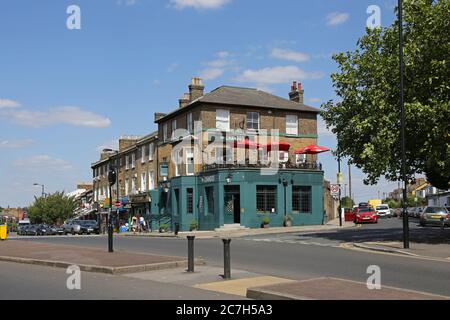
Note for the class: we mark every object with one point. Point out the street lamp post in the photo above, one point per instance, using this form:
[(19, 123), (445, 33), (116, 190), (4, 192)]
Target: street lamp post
[(402, 129), (112, 179), (43, 188), (285, 184)]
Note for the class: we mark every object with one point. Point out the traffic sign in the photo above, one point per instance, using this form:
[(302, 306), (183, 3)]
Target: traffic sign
[(334, 189)]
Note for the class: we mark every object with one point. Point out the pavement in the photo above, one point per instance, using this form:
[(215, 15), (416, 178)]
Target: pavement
[(238, 233), (87, 259), (424, 250), (328, 288)]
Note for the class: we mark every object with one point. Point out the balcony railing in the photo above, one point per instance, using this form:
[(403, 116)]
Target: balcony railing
[(310, 165)]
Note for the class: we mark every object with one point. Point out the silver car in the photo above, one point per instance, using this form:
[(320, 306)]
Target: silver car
[(433, 215), (72, 226)]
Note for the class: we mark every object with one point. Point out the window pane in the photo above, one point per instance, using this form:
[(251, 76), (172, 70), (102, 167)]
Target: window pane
[(223, 120), (301, 199), (190, 200), (291, 124), (210, 199), (266, 198)]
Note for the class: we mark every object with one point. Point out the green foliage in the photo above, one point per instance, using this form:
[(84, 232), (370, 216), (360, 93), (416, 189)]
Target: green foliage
[(50, 209), (366, 120), (194, 224), (266, 220), (164, 227), (347, 202)]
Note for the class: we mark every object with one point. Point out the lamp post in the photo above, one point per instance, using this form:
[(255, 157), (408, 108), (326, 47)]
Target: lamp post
[(43, 188), (112, 179), (402, 129), (285, 184)]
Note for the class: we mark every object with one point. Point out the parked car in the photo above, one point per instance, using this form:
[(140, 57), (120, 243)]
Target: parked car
[(22, 230), (31, 230), (59, 230), (410, 211), (42, 230), (72, 226), (435, 216), (383, 211), (89, 226), (366, 215), (418, 212)]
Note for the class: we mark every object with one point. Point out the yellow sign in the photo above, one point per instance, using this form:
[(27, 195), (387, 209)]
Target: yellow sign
[(340, 178)]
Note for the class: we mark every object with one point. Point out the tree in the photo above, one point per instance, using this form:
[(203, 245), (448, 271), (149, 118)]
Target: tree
[(347, 202), (50, 209), (366, 120)]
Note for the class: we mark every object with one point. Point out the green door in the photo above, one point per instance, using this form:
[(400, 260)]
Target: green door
[(232, 206)]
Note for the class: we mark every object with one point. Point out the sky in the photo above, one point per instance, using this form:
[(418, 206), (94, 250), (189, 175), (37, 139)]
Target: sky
[(65, 94)]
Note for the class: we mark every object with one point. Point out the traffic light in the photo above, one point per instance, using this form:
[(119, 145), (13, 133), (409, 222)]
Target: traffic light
[(112, 176)]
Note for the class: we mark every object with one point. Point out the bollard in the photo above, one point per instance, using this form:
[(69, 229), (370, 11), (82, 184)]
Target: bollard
[(190, 253), (226, 259)]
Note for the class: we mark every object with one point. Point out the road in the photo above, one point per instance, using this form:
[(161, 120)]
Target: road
[(300, 255)]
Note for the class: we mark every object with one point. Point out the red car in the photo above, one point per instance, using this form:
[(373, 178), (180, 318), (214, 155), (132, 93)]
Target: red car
[(363, 215)]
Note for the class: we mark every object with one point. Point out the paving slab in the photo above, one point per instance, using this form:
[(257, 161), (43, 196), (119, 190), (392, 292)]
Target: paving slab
[(240, 286), (440, 251), (87, 259), (334, 289)]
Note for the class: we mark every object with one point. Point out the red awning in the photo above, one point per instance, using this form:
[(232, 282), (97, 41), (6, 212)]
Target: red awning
[(311, 149), (246, 144), (280, 146)]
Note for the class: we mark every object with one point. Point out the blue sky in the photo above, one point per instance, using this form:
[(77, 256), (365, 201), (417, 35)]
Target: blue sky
[(65, 94)]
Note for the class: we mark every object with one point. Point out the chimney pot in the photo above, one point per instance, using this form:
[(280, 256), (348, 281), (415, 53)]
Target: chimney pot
[(296, 94), (196, 89)]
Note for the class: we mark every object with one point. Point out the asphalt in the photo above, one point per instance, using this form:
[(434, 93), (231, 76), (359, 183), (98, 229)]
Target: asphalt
[(30, 282), (320, 255)]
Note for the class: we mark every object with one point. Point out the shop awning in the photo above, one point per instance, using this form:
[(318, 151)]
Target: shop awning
[(280, 146), (311, 149)]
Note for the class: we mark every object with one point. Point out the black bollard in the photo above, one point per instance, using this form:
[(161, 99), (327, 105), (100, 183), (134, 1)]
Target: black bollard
[(190, 253), (226, 259)]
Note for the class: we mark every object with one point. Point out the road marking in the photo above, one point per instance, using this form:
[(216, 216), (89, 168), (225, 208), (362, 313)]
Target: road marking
[(302, 242), (239, 286), (349, 246)]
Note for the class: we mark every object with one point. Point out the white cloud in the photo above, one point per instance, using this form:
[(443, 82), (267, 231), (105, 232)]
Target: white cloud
[(59, 115), (112, 144), (315, 100), (127, 2), (15, 144), (286, 54), (42, 161), (337, 18), (7, 103), (217, 67), (173, 66), (211, 74), (198, 4), (276, 75)]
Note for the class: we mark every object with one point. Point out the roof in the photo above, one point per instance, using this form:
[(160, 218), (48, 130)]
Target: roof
[(245, 97)]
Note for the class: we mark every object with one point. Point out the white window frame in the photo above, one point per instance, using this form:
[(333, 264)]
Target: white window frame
[(252, 120), (143, 181), (151, 180), (223, 119), (190, 161), (127, 162), (151, 149), (291, 129), (133, 184), (127, 186), (189, 123), (300, 158), (165, 132), (174, 127), (133, 160), (143, 148)]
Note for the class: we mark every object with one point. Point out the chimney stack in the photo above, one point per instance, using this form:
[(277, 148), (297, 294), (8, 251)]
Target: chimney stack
[(296, 93), (184, 100), (196, 89)]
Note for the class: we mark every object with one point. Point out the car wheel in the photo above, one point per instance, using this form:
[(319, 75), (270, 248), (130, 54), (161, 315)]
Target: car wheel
[(73, 232)]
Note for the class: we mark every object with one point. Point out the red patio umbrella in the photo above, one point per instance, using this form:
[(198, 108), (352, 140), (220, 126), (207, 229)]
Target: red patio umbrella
[(246, 144), (311, 149), (280, 146)]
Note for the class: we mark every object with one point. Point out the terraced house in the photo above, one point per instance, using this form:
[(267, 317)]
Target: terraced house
[(222, 159)]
